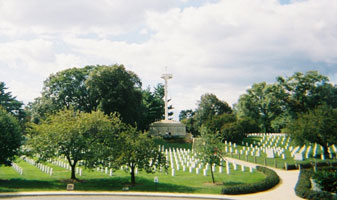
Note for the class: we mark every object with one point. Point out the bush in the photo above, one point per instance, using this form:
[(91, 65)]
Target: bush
[(270, 181), (303, 187), (327, 179)]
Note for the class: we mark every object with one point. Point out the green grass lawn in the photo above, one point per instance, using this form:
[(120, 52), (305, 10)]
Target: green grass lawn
[(91, 180)]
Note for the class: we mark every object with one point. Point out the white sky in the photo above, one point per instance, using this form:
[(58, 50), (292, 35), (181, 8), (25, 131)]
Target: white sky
[(214, 46)]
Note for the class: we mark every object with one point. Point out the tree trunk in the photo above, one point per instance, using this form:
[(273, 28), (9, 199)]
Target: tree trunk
[(212, 175), (133, 178), (73, 174), (73, 167), (325, 151)]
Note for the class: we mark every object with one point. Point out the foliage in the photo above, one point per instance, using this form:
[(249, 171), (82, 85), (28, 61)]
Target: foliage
[(248, 125), (106, 88), (303, 187), (66, 88), (306, 91), (152, 106), (78, 136), (263, 102), (327, 179), (209, 148), (138, 150), (116, 90), (316, 126), (232, 131), (10, 137), (274, 105), (10, 104), (270, 181), (208, 108)]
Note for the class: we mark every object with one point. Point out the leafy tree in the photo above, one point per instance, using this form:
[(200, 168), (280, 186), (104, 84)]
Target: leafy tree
[(248, 125), (209, 106), (316, 126), (263, 102), (187, 117), (107, 88), (66, 88), (10, 137), (152, 106), (306, 91), (75, 135), (186, 114), (10, 104), (232, 131), (209, 148), (138, 150), (116, 90)]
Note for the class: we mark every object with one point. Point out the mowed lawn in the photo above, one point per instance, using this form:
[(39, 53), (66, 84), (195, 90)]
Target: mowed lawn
[(183, 182)]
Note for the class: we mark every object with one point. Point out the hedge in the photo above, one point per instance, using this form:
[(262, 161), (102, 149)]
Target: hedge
[(270, 181), (303, 187)]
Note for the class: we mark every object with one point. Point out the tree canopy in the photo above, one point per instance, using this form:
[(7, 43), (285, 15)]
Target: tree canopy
[(75, 135), (209, 107), (106, 88), (274, 105), (10, 103), (209, 148), (318, 125), (138, 150), (10, 137)]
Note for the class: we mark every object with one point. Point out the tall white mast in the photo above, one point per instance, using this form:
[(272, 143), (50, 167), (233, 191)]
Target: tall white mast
[(166, 77)]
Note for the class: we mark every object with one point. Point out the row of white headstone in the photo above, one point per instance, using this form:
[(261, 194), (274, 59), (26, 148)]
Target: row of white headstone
[(254, 150), (42, 167), (282, 141), (17, 168), (187, 159), (65, 165), (105, 170)]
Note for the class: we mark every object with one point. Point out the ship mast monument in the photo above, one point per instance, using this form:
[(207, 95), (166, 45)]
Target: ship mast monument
[(166, 77), (167, 128)]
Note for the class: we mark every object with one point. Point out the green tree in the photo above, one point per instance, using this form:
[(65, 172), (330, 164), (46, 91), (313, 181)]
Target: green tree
[(106, 88), (10, 104), (152, 106), (209, 106), (209, 148), (66, 88), (138, 150), (316, 126), (10, 137), (304, 92), (262, 102), (116, 90), (75, 135)]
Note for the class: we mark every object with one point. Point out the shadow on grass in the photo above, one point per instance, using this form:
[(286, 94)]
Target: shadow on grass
[(142, 184), (13, 185), (102, 184), (231, 183)]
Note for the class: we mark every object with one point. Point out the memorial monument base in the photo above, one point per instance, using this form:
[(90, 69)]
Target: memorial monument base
[(168, 129)]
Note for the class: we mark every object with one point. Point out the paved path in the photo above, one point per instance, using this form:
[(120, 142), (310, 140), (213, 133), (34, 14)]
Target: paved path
[(284, 190)]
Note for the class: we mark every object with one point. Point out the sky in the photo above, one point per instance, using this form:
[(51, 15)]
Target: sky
[(210, 46)]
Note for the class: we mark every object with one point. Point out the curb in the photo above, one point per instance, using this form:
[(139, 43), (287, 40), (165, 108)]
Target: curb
[(132, 194)]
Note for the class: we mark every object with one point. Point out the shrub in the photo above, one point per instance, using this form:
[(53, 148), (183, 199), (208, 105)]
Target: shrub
[(303, 187), (327, 179), (270, 181)]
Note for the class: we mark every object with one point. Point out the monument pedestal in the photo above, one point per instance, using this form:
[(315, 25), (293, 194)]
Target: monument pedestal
[(168, 128)]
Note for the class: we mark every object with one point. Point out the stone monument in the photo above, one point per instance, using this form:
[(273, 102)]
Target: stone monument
[(167, 128)]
